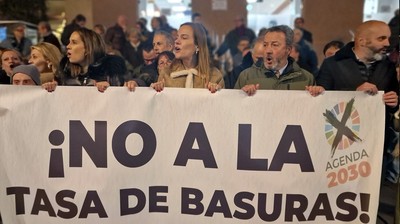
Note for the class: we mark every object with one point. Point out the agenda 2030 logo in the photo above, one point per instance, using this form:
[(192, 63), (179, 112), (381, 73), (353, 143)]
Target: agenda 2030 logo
[(342, 129), (342, 126)]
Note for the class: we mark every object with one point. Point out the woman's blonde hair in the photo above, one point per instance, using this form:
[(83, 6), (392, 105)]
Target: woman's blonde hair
[(203, 55), (50, 53)]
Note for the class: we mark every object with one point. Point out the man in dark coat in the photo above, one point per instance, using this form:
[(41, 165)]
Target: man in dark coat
[(362, 65), (232, 38), (299, 23), (116, 35), (46, 35)]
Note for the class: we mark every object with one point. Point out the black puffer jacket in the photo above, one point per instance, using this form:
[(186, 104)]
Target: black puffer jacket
[(110, 68)]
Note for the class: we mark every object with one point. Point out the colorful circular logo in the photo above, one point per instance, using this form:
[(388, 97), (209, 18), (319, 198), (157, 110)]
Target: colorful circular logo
[(335, 124)]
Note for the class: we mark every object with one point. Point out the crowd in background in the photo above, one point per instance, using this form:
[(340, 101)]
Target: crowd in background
[(277, 57)]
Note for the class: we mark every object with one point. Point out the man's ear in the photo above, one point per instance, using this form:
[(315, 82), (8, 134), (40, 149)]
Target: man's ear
[(361, 41)]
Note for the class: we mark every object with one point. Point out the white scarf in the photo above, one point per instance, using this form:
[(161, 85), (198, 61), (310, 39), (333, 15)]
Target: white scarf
[(189, 76)]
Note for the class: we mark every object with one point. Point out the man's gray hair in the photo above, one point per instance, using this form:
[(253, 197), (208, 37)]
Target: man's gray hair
[(168, 36), (283, 29)]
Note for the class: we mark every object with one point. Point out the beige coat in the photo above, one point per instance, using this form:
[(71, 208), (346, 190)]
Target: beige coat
[(177, 76)]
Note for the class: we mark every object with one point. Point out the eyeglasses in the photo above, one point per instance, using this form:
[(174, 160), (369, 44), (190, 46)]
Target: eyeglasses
[(20, 30), (163, 62)]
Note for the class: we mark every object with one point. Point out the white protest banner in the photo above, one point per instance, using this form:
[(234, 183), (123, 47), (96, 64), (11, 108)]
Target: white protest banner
[(188, 156)]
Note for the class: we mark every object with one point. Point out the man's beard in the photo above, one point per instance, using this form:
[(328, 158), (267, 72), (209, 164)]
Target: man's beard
[(378, 56), (274, 66)]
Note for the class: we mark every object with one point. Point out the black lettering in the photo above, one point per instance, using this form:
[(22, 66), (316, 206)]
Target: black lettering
[(154, 198), (196, 131), (262, 207), (290, 209), (92, 197), (81, 139), (19, 198), (249, 210), (352, 211), (326, 209), (223, 207), (191, 205), (292, 134), (119, 146), (124, 201), (244, 160), (72, 209), (46, 206)]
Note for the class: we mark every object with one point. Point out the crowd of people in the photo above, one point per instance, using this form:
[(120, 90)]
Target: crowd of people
[(279, 57)]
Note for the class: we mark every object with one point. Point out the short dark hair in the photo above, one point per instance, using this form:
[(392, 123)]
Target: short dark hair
[(80, 18), (335, 43), (143, 21), (300, 18), (45, 24), (169, 54), (194, 15), (147, 45)]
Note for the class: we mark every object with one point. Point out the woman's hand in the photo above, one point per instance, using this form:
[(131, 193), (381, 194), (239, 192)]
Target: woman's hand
[(50, 86), (102, 86), (158, 86), (213, 87), (131, 85)]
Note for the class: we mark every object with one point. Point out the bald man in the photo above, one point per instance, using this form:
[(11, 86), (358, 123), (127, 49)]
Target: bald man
[(362, 65)]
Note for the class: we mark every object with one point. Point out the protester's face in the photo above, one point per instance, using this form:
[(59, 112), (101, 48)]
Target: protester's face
[(297, 35), (122, 21), (294, 54), (258, 51), (184, 45), (149, 57), (239, 22), (76, 49), (98, 30), (331, 51), (298, 23), (276, 52), (22, 79), (81, 23), (163, 62), (155, 24), (42, 30), (160, 44), (38, 60), (138, 27), (19, 32), (243, 44), (377, 42), (134, 37), (9, 60), (174, 34)]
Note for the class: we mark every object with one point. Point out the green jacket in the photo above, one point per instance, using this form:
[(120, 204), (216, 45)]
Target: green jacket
[(293, 77)]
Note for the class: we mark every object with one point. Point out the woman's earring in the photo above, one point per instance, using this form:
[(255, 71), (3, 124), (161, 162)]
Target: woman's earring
[(49, 65), (197, 50)]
